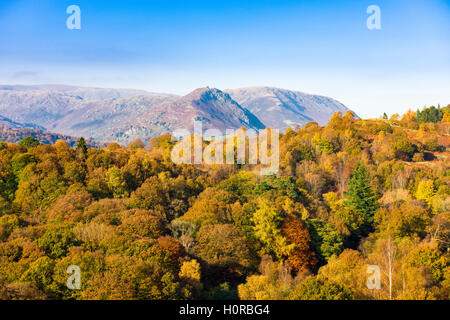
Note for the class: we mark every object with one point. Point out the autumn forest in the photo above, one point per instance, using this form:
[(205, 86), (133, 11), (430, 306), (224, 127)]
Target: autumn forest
[(348, 195)]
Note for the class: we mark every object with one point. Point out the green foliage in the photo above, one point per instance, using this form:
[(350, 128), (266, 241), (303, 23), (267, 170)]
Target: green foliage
[(221, 292), (324, 144), (40, 272), (274, 187), (433, 145), (360, 194), (81, 148), (56, 241), (431, 114), (29, 142), (7, 225), (404, 150), (116, 182), (325, 240), (314, 289), (241, 184)]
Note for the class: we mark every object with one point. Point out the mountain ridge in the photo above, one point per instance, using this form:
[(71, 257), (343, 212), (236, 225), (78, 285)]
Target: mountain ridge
[(123, 115), (282, 108)]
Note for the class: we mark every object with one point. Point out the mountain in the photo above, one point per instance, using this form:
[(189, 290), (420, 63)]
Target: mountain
[(144, 117), (15, 135), (84, 93), (39, 107), (280, 108), (123, 115), (213, 107), (44, 105), (110, 119), (76, 111), (8, 123)]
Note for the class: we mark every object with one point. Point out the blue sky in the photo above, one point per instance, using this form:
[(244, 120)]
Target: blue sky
[(320, 47)]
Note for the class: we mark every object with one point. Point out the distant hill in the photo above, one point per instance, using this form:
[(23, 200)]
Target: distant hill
[(281, 108), (17, 125), (85, 93), (110, 119), (123, 115), (16, 135)]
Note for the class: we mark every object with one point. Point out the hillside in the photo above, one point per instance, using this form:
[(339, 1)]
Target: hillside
[(17, 125), (280, 108), (123, 115)]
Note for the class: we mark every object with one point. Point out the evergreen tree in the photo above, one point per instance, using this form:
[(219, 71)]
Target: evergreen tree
[(81, 148), (360, 194), (29, 142)]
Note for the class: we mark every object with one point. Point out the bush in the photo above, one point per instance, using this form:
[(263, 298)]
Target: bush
[(418, 157), (404, 150), (432, 145)]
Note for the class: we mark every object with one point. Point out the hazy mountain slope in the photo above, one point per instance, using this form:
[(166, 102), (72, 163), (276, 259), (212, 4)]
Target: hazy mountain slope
[(123, 115), (100, 119), (6, 122), (162, 115), (85, 93), (39, 107), (214, 108), (280, 108), (77, 111), (88, 112)]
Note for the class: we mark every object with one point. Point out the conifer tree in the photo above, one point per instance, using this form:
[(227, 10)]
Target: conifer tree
[(360, 194), (81, 148)]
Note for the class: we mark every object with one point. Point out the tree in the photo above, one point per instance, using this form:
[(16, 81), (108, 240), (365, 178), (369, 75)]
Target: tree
[(274, 282), (29, 142), (144, 223), (81, 148), (207, 211), (136, 144), (69, 207), (313, 288), (425, 191), (348, 270), (184, 232), (116, 182), (431, 114), (347, 220), (40, 273), (360, 194), (267, 221), (301, 257), (404, 150), (190, 273), (223, 245), (388, 256), (403, 219), (21, 291), (149, 195), (56, 241), (168, 253), (109, 286), (325, 240)]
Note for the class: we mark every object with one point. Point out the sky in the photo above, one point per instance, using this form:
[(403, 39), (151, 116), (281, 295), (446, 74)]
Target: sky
[(175, 46)]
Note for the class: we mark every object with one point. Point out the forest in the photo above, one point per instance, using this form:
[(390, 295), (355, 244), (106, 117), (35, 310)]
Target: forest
[(348, 195)]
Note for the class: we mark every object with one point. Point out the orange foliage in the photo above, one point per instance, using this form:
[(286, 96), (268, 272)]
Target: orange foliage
[(295, 232)]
